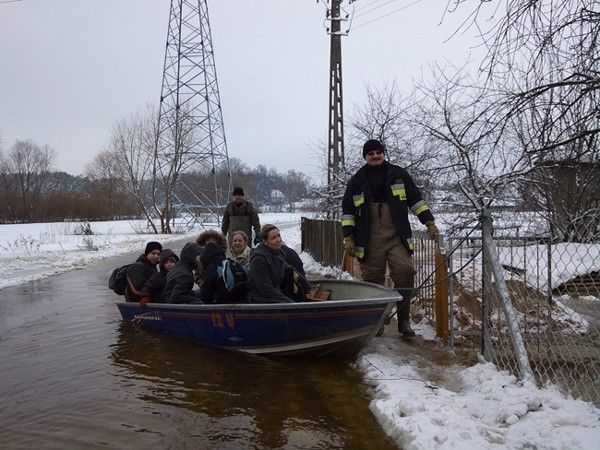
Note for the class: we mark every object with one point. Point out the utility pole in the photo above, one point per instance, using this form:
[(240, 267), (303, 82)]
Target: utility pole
[(336, 121)]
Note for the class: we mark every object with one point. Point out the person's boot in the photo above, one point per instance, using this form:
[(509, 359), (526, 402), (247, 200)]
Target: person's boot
[(403, 315)]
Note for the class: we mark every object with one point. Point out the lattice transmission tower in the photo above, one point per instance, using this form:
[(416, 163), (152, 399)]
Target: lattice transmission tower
[(191, 135)]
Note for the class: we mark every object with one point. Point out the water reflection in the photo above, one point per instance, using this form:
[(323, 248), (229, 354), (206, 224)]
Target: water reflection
[(252, 401), (73, 375)]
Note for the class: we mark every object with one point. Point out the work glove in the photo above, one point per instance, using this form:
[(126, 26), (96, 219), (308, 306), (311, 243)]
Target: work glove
[(350, 246), (257, 240), (144, 300), (432, 229)]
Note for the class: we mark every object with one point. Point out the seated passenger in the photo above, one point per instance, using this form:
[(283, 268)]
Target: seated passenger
[(269, 269), (239, 250), (293, 259), (180, 280), (212, 291), (207, 237), (154, 287), (140, 271)]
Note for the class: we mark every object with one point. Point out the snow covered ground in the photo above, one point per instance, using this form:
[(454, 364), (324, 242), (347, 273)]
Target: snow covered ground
[(421, 404)]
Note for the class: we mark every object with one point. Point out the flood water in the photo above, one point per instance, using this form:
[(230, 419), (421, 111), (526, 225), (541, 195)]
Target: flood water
[(72, 375)]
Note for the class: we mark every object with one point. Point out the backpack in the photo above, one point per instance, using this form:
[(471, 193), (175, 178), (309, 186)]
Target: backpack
[(118, 280), (294, 285), (234, 276)]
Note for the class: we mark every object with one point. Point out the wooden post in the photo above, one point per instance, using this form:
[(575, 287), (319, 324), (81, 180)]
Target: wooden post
[(441, 298)]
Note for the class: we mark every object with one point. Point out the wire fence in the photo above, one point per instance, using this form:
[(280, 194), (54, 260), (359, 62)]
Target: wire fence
[(538, 314), (554, 292)]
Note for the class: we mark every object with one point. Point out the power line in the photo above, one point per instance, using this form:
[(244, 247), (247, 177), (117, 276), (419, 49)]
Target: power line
[(389, 14), (367, 5), (373, 9)]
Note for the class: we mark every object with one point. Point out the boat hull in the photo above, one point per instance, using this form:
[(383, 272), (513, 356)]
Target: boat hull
[(339, 326)]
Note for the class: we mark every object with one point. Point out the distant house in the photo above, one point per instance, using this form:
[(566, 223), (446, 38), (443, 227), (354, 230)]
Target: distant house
[(277, 197), (275, 202)]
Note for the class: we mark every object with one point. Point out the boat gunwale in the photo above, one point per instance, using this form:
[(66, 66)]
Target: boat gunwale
[(320, 304)]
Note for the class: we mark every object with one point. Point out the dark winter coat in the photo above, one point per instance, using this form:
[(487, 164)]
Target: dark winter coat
[(155, 286), (240, 217), (267, 272), (293, 259), (212, 290), (180, 280), (402, 196), (137, 274)]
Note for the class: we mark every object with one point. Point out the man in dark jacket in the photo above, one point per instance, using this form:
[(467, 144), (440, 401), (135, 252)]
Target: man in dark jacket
[(376, 227), (140, 271), (180, 280), (240, 215)]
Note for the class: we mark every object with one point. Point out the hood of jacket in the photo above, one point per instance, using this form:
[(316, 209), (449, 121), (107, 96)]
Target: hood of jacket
[(212, 254), (166, 254), (188, 254)]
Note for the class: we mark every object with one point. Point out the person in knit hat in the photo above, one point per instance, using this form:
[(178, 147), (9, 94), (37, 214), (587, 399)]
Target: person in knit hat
[(140, 271), (242, 215), (152, 291), (376, 228)]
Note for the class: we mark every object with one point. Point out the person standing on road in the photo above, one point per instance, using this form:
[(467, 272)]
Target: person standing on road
[(376, 228), (241, 215)]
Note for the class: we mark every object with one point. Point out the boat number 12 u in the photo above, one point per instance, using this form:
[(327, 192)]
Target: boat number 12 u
[(218, 322)]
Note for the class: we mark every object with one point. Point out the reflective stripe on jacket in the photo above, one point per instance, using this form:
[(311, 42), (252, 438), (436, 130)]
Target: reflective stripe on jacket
[(402, 195)]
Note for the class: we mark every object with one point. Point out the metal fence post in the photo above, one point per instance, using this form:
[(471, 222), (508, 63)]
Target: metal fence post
[(486, 279), (492, 263)]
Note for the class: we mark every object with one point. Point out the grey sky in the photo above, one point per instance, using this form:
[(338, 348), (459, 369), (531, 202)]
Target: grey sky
[(71, 68)]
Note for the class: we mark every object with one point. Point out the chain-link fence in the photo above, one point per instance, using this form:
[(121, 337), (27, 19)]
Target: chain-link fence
[(550, 292), (553, 292)]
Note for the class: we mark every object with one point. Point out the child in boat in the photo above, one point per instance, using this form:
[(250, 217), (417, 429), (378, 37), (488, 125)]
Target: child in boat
[(140, 271), (225, 280), (212, 291), (180, 279), (206, 237), (239, 250), (154, 287)]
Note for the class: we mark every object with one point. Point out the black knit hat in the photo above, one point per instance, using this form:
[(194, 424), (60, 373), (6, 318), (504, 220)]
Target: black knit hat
[(371, 145), (152, 245), (238, 191)]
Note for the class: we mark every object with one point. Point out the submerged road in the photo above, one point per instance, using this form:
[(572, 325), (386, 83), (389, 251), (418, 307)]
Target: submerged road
[(74, 376)]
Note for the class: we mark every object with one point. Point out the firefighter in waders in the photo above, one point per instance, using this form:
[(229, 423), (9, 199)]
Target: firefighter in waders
[(376, 228)]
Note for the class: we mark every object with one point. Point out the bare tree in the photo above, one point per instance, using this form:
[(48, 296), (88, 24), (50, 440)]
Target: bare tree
[(388, 115), (132, 147), (108, 180), (545, 56), (459, 121), (295, 187), (31, 165), (564, 181)]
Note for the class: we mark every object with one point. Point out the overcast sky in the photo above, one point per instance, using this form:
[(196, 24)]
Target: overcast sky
[(72, 68)]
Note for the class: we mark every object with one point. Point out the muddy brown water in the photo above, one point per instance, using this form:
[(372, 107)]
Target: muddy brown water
[(72, 375)]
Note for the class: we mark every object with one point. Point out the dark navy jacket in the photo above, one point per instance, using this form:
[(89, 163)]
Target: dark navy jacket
[(402, 196)]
